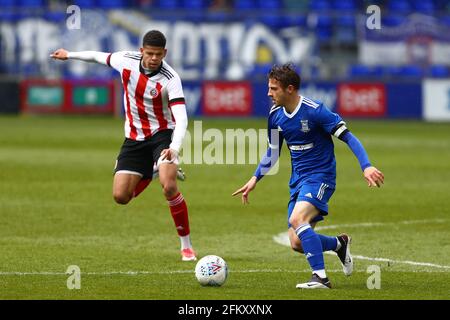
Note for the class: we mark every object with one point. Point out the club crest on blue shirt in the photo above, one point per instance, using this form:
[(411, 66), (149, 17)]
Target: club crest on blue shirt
[(154, 92), (305, 127)]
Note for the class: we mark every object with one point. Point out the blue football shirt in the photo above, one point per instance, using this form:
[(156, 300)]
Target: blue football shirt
[(307, 132)]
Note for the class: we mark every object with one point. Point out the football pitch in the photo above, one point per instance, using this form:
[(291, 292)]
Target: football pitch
[(56, 211)]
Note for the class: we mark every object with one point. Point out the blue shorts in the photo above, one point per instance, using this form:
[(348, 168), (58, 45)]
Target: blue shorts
[(318, 194)]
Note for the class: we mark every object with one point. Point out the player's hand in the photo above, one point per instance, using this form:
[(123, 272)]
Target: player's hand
[(169, 154), (374, 177), (60, 54), (245, 190)]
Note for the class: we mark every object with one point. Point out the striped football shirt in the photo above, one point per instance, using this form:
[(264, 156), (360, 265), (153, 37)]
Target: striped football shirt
[(148, 97)]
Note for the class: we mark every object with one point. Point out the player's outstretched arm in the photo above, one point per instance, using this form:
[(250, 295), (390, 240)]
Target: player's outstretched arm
[(246, 189), (88, 56)]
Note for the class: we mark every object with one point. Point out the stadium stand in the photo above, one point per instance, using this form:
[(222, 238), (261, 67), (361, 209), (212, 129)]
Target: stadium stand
[(334, 24)]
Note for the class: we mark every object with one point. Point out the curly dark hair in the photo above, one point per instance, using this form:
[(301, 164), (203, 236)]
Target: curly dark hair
[(286, 75)]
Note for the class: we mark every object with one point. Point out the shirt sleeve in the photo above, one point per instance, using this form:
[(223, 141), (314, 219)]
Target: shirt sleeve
[(178, 107), (275, 139), (89, 56), (331, 122), (116, 60), (175, 89), (181, 120)]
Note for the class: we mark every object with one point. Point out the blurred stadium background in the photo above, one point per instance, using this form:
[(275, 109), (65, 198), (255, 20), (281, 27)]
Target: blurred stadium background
[(391, 85), (225, 48)]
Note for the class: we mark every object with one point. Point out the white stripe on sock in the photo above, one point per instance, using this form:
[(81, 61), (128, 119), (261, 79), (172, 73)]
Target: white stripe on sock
[(185, 242), (320, 273), (176, 201), (302, 228)]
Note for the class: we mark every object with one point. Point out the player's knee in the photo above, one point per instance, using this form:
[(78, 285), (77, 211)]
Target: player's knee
[(297, 221), (121, 198), (170, 189)]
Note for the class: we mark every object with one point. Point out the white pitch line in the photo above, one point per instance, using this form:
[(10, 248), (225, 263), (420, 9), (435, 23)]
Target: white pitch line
[(283, 239), (413, 263), (135, 273), (378, 224)]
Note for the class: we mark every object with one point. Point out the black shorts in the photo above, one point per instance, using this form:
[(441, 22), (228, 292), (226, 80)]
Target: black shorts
[(139, 156)]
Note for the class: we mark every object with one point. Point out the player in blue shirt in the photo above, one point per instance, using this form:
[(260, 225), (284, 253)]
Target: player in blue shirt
[(307, 126)]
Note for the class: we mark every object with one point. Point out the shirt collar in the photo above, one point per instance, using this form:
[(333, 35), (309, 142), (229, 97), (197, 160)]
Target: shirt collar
[(148, 72), (291, 115)]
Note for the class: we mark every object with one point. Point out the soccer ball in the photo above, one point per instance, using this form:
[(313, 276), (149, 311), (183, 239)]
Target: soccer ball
[(211, 271)]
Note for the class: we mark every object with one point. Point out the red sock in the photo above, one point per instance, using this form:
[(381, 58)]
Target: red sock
[(142, 184), (179, 211)]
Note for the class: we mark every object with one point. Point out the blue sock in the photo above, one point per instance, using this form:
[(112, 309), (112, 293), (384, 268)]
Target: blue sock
[(312, 246), (328, 243)]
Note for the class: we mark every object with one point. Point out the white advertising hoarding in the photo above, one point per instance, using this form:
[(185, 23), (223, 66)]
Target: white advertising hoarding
[(436, 100)]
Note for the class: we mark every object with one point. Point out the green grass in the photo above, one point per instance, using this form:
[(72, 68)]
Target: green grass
[(56, 210)]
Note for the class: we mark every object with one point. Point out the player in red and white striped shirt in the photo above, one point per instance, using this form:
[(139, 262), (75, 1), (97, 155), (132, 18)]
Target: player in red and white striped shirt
[(155, 125)]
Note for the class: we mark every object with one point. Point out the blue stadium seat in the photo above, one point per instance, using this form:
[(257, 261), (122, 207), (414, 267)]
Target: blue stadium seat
[(412, 71), (324, 35), (392, 71), (346, 20), (85, 4), (344, 5), (441, 4), (271, 20), (377, 71), (345, 25), (364, 71), (424, 6), (260, 70), (55, 16), (167, 4), (319, 5), (406, 71), (324, 21), (445, 20), (392, 20), (401, 6), (217, 16), (111, 4), (269, 4), (439, 71), (323, 28), (245, 4), (359, 70), (295, 20), (33, 3), (196, 16), (7, 3), (195, 4), (345, 35), (8, 16), (380, 3)]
